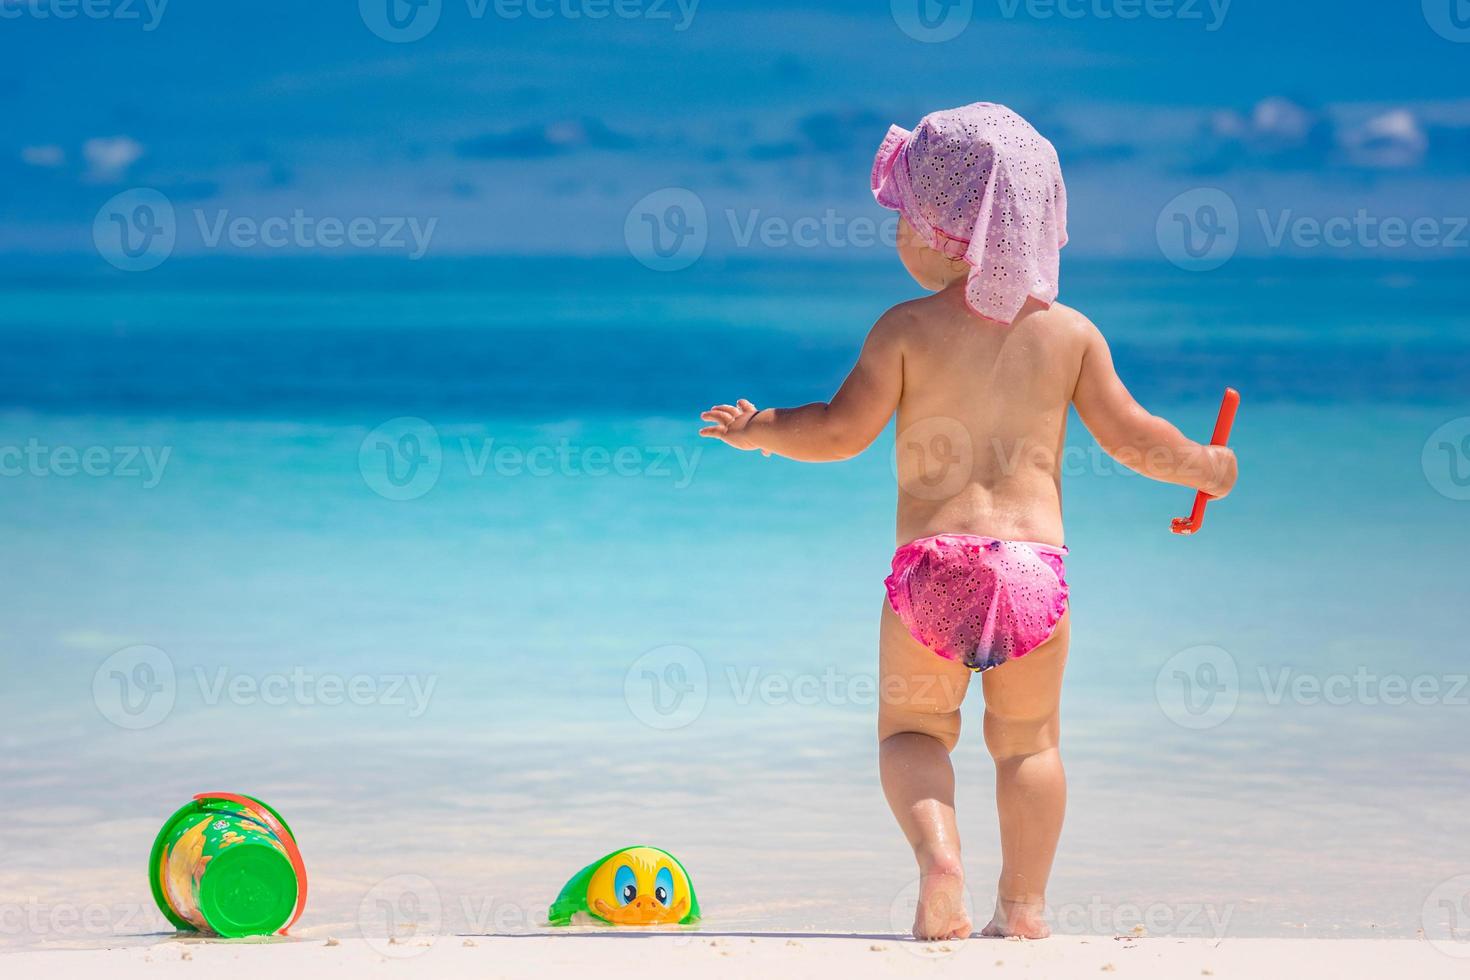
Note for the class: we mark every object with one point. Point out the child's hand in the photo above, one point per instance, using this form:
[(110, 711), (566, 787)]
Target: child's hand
[(1221, 470), (730, 422)]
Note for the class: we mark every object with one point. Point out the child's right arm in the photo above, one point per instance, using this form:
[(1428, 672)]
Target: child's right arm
[(1138, 439)]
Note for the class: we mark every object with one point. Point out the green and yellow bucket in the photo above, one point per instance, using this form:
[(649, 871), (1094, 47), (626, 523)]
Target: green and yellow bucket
[(228, 864)]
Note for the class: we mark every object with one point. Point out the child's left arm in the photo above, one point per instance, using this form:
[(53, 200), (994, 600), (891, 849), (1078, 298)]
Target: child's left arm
[(823, 432)]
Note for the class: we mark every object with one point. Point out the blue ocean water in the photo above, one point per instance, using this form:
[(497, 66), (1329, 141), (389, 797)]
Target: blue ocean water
[(432, 558)]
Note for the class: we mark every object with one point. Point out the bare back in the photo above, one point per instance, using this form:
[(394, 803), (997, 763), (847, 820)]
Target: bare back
[(982, 419)]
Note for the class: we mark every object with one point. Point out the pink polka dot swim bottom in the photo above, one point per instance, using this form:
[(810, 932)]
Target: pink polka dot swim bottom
[(977, 600)]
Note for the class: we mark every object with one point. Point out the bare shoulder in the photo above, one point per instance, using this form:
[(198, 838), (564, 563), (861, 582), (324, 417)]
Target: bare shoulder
[(1068, 324), (901, 324), (1072, 338)]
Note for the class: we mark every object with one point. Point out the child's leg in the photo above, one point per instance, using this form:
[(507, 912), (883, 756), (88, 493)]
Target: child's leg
[(1022, 729), (918, 725)]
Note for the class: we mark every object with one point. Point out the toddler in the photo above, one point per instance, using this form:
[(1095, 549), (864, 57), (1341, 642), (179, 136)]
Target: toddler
[(981, 373)]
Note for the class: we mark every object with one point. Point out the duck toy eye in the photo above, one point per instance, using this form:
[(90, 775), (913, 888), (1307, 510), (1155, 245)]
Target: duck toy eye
[(625, 885), (663, 887)]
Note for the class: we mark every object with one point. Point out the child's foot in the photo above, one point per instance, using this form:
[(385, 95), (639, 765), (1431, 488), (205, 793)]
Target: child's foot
[(1016, 918), (941, 913)]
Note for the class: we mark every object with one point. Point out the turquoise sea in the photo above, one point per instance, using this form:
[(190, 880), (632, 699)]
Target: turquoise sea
[(431, 558)]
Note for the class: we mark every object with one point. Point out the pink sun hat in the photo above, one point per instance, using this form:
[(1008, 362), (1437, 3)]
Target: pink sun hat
[(978, 183)]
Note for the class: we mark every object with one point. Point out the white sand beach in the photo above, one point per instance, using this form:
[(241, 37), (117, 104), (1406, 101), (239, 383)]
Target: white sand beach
[(652, 957)]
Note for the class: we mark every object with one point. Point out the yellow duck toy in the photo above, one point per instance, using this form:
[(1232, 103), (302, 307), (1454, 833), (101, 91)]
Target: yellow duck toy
[(634, 886)]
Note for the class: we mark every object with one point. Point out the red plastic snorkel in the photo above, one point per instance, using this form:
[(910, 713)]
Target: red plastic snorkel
[(1190, 524)]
